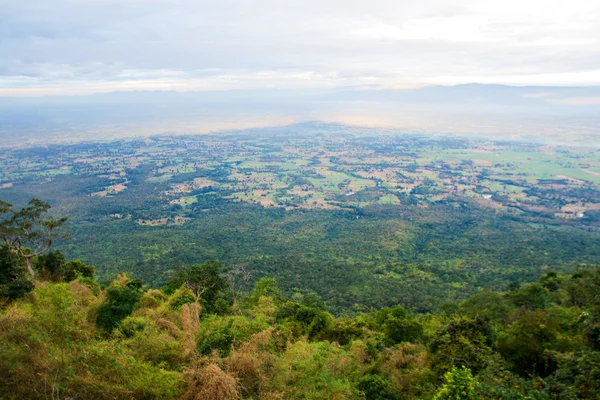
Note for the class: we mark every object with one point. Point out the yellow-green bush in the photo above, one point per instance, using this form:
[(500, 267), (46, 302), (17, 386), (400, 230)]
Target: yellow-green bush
[(221, 333), (315, 371)]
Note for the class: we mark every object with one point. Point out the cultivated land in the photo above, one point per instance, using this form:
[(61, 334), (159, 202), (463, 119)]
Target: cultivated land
[(339, 170), (368, 211)]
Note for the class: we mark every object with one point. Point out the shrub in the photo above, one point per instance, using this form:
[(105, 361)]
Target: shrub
[(120, 302), (180, 297), (221, 333), (210, 382), (315, 371), (459, 385)]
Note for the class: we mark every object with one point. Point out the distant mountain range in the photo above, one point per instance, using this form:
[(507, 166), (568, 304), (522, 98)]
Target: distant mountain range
[(570, 114), (487, 94)]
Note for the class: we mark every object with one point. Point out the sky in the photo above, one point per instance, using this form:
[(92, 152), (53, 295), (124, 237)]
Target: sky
[(66, 47)]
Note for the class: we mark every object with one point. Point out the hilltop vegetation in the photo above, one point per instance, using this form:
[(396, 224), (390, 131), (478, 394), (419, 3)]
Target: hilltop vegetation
[(202, 336), (208, 334)]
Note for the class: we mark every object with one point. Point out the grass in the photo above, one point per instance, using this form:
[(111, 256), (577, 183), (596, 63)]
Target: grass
[(160, 178)]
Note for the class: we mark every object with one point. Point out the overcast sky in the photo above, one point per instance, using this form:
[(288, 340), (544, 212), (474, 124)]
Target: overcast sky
[(86, 46)]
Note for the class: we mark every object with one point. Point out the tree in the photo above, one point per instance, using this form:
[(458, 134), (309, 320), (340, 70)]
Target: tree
[(50, 265), (459, 385), (76, 269), (527, 342), (205, 280), (14, 282), (376, 387), (592, 289), (27, 231), (238, 279), (398, 325), (532, 296), (463, 342), (265, 287), (122, 297)]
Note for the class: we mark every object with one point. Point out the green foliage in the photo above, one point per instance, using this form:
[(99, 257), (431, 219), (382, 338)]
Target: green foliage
[(112, 369), (376, 387), (77, 269), (313, 300), (578, 374), (130, 326), (221, 333), (495, 382), (71, 324), (403, 330), (526, 342), (76, 340), (398, 325), (53, 267), (459, 385), (487, 304), (204, 280), (344, 330), (153, 298), (90, 283), (463, 342), (427, 264), (385, 313), (181, 296), (592, 294), (551, 281), (28, 231), (532, 296), (14, 280), (50, 265), (121, 299), (156, 342), (315, 371), (49, 348), (303, 320), (264, 287), (220, 306)]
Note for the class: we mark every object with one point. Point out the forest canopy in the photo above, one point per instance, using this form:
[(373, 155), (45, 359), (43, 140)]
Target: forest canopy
[(205, 335)]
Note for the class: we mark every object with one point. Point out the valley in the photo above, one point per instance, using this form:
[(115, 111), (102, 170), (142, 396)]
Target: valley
[(357, 215)]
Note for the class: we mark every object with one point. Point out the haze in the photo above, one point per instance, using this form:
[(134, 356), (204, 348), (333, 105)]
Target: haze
[(276, 62)]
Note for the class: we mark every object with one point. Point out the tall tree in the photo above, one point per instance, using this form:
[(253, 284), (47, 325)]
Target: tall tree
[(28, 231), (205, 280)]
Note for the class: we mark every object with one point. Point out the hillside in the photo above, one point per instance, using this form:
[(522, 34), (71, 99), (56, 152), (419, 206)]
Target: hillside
[(207, 336)]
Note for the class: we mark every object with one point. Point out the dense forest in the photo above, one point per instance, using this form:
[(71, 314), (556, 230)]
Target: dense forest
[(388, 255), (210, 333)]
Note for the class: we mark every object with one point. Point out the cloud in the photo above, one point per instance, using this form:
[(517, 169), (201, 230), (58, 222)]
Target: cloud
[(99, 45)]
